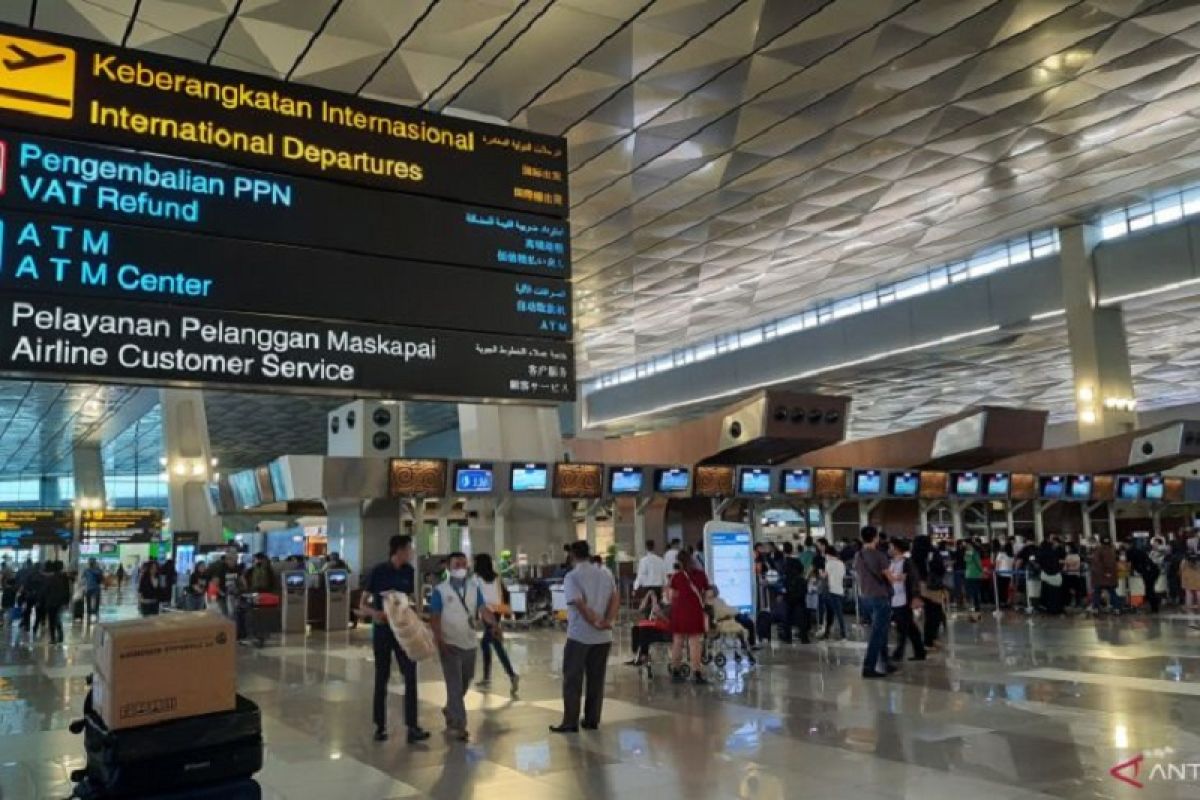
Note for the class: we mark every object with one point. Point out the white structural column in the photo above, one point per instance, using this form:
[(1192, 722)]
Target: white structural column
[(188, 467), (1104, 399), (535, 527)]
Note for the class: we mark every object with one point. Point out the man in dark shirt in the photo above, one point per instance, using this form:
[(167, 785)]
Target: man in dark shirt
[(875, 593), (395, 574)]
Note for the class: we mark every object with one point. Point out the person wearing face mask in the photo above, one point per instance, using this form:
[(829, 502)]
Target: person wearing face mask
[(456, 609)]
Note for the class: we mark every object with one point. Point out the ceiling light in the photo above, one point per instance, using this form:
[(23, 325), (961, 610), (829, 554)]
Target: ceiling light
[(1086, 394), (1088, 416)]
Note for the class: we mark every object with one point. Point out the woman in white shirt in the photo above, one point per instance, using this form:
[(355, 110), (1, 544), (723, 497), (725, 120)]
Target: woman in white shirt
[(493, 595), (1005, 561)]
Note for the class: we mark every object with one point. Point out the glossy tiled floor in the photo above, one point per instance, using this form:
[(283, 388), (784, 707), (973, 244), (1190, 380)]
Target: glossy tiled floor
[(1010, 709)]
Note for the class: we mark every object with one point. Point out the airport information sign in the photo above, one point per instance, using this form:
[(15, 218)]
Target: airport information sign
[(85, 90), (325, 242)]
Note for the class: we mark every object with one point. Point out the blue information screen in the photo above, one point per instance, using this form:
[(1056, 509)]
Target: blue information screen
[(473, 480), (905, 484), (965, 484), (626, 480), (732, 568), (797, 481), (755, 481), (868, 481), (1129, 487), (673, 480), (1081, 487), (529, 478), (1154, 488), (997, 484), (1053, 486)]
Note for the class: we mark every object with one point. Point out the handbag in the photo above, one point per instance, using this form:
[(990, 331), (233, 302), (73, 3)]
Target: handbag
[(1052, 580)]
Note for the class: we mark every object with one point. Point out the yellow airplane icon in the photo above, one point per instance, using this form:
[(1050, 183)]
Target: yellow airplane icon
[(36, 77)]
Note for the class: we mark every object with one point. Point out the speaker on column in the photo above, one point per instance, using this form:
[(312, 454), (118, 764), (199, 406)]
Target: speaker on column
[(366, 428)]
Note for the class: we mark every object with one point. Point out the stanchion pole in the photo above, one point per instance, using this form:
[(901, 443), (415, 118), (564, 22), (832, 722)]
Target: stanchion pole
[(1029, 594), (996, 592)]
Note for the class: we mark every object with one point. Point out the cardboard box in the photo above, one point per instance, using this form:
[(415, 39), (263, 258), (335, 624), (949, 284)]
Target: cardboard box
[(159, 668)]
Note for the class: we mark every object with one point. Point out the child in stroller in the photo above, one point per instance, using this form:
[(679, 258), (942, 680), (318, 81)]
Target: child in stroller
[(652, 627)]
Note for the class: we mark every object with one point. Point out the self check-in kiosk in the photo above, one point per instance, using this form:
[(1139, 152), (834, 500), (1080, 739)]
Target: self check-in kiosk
[(294, 604), (337, 600)]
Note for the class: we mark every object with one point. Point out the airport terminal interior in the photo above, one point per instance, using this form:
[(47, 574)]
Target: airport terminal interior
[(747, 399)]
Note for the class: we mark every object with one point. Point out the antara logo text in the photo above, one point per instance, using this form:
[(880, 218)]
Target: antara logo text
[(1138, 771)]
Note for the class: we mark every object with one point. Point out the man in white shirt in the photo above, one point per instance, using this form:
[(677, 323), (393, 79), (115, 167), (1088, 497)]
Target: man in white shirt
[(651, 575), (671, 556)]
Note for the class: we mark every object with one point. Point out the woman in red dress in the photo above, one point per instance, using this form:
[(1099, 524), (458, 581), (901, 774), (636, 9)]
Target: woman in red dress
[(688, 619)]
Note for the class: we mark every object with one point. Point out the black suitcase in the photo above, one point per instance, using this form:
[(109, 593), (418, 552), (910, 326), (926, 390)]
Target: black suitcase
[(238, 790), (77, 610), (170, 756)]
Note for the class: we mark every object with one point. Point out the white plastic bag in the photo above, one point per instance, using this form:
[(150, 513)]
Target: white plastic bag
[(414, 635)]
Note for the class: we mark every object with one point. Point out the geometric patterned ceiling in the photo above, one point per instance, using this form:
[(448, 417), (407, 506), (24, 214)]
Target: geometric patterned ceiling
[(1025, 366), (736, 160)]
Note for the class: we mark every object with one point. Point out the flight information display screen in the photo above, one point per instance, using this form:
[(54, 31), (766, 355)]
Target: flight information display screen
[(625, 480), (1052, 487), (904, 484), (1080, 487), (796, 482), (675, 479), (1153, 488), (997, 484), (474, 479), (529, 478), (964, 484), (868, 482), (1129, 487), (754, 481)]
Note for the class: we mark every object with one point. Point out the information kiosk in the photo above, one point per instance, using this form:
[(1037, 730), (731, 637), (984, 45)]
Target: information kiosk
[(337, 600), (729, 547), (294, 603)]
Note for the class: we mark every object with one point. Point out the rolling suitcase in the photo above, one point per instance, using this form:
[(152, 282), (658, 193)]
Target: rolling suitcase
[(77, 609), (180, 754), (763, 621)]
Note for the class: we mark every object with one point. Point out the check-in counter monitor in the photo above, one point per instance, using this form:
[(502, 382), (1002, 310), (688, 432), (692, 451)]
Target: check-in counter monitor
[(530, 479), (1154, 488), (867, 484), (626, 480), (474, 479), (797, 482), (1079, 488), (674, 481), (337, 599), (294, 605), (1129, 488), (998, 486), (754, 482), (904, 483), (966, 485), (1052, 487)]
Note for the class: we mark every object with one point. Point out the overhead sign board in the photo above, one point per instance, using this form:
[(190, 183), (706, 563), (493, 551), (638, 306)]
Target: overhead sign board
[(134, 526), (60, 255), (110, 184), (128, 341), (35, 527), (94, 92)]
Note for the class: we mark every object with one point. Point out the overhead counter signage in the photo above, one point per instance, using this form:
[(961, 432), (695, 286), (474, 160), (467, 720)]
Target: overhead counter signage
[(93, 92), (137, 526), (49, 336), (26, 528), (58, 255), (38, 173)]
